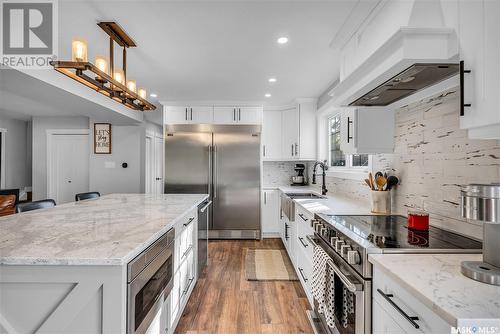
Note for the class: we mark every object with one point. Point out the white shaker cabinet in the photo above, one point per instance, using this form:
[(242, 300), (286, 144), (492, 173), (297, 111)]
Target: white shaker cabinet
[(270, 213), (271, 135), (188, 114), (290, 133), (367, 130), (396, 310), (478, 32), (237, 115), (299, 131)]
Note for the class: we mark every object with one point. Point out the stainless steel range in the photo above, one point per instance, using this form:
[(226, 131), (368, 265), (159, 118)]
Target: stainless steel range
[(348, 240)]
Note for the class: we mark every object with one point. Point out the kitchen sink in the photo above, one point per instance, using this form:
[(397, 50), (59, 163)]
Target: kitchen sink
[(304, 196)]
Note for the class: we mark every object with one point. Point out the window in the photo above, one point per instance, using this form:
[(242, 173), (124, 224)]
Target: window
[(337, 158)]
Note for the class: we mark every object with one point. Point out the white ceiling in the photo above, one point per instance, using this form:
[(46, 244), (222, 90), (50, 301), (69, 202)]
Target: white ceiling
[(214, 51)]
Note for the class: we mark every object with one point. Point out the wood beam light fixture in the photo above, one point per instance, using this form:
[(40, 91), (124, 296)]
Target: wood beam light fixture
[(103, 77)]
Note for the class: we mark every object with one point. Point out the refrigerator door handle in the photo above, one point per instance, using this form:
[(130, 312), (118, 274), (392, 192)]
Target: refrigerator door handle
[(210, 170), (215, 171)]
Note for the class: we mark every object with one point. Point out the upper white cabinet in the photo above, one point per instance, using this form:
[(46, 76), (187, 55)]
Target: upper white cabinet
[(478, 32), (212, 115), (188, 114), (367, 130), (271, 135), (289, 133), (237, 115)]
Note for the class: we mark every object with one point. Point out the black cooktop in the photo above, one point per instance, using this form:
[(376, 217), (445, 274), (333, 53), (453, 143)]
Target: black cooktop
[(392, 232)]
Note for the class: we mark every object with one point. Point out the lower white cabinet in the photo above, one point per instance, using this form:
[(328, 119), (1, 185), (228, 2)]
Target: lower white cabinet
[(390, 300), (383, 323), (270, 213), (184, 267)]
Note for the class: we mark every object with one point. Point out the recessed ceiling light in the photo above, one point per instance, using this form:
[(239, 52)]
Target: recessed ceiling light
[(272, 80), (267, 95), (153, 95), (282, 40)]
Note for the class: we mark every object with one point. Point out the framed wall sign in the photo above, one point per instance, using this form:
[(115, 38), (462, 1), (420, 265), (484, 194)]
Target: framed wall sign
[(102, 138)]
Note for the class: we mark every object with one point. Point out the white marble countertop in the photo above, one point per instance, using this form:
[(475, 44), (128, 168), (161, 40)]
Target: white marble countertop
[(110, 230), (436, 280), (332, 204)]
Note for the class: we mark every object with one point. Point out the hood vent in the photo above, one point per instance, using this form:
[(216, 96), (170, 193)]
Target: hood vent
[(411, 80)]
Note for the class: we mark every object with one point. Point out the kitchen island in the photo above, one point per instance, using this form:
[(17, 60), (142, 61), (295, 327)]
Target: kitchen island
[(64, 269)]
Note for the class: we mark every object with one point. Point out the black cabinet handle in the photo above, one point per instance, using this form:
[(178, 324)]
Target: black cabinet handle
[(462, 93), (189, 221), (286, 231), (302, 216), (191, 113), (234, 115), (302, 274), (186, 114), (187, 287), (239, 114), (302, 242), (349, 122), (399, 309)]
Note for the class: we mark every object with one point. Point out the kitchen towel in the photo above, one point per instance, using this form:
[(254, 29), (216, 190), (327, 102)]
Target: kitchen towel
[(323, 285)]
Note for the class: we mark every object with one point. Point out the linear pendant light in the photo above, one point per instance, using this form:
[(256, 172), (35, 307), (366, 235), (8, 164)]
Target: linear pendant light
[(106, 80)]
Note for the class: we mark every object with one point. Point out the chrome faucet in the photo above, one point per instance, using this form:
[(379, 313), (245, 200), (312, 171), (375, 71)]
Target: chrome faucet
[(324, 166)]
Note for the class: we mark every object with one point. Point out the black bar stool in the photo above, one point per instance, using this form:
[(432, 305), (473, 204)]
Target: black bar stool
[(89, 195), (35, 205)]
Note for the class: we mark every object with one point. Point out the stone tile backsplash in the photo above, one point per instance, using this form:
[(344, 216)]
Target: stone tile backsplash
[(433, 158), (277, 173)]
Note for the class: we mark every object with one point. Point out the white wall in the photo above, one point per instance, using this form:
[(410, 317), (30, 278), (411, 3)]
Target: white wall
[(39, 147), (128, 145), (17, 163)]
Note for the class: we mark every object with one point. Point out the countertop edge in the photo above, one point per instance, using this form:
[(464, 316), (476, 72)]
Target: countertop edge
[(441, 312), (14, 261)]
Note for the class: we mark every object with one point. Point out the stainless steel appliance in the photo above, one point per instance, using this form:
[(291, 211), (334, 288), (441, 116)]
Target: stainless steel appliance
[(204, 211), (150, 280), (224, 162), (299, 179), (349, 239), (481, 202)]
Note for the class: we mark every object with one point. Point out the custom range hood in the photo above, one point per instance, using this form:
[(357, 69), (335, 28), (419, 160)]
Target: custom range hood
[(411, 80), (401, 48)]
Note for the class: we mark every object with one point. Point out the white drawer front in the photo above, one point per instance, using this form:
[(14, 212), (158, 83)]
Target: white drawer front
[(427, 322), (304, 270)]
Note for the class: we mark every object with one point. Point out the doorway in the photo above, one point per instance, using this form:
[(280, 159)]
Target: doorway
[(67, 164), (154, 164)]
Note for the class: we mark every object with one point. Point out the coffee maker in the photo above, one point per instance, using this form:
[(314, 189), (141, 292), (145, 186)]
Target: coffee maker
[(299, 179), (481, 202)]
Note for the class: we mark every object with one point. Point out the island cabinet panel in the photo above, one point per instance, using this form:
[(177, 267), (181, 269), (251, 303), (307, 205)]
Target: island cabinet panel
[(185, 264), (63, 299)]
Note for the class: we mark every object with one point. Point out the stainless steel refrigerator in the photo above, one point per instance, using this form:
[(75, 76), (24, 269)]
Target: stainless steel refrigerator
[(224, 162)]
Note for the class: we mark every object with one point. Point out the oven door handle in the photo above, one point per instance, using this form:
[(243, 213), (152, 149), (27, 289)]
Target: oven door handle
[(352, 287)]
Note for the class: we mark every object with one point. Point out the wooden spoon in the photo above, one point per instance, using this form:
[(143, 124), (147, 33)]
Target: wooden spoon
[(368, 183), (381, 182), (372, 183)]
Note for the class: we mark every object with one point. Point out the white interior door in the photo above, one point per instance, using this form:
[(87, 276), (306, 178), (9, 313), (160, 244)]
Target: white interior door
[(69, 161), (158, 165)]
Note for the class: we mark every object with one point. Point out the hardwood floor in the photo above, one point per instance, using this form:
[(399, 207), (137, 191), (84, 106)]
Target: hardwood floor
[(223, 301)]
